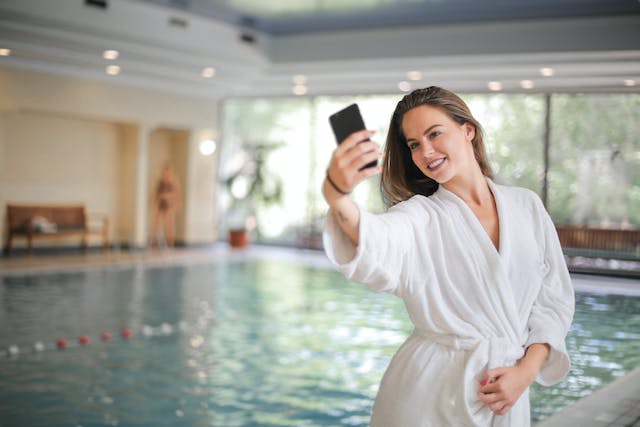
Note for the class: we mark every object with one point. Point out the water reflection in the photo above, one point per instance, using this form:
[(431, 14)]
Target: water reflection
[(240, 344)]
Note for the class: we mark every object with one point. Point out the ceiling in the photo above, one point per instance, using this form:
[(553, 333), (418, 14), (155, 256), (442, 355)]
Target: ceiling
[(282, 17), (257, 47)]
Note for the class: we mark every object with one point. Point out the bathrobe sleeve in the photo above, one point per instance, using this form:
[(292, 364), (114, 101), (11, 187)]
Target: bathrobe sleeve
[(381, 259), (553, 307)]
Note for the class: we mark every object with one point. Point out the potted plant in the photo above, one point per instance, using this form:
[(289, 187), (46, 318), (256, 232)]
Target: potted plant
[(250, 187)]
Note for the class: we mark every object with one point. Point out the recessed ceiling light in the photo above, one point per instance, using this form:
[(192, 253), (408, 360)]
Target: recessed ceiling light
[(547, 72), (629, 82), (112, 70), (110, 54), (495, 86), (299, 90), (5, 52), (299, 79), (526, 84), (414, 75), (404, 86), (208, 72)]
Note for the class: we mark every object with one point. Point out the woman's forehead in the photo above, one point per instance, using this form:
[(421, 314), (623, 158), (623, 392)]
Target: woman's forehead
[(423, 117)]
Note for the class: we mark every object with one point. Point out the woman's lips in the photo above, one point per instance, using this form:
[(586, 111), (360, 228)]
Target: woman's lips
[(435, 164)]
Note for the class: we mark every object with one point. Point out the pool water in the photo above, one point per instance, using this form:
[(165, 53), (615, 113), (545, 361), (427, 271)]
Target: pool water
[(248, 343)]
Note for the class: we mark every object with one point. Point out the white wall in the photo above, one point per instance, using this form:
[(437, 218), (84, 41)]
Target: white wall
[(71, 140)]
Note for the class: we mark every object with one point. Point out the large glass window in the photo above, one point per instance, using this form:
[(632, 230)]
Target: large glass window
[(285, 145), (514, 126), (594, 174), (265, 168)]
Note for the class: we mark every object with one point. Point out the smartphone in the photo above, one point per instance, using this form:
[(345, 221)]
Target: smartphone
[(347, 121)]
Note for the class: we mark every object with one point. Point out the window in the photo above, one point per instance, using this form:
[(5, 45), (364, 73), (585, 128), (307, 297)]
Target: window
[(286, 143), (594, 174)]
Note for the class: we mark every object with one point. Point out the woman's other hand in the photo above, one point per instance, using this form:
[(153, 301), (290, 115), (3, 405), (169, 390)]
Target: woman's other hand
[(502, 387)]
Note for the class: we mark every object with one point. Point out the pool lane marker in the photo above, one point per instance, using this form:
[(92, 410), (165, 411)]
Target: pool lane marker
[(126, 334)]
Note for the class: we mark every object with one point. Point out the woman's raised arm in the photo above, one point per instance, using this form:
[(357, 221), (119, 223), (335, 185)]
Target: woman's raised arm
[(345, 171)]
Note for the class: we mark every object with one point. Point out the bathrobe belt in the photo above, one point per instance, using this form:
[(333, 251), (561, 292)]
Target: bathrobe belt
[(501, 351)]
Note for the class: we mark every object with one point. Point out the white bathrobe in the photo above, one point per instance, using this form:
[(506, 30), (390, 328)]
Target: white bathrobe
[(473, 307)]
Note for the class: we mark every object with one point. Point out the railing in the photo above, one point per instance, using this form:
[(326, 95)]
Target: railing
[(600, 242)]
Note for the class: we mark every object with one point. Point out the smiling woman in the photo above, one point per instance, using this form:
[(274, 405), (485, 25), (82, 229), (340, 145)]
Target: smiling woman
[(403, 175), (488, 293)]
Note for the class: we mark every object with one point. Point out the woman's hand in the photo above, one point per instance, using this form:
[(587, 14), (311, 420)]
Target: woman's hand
[(344, 173), (502, 387), (346, 167)]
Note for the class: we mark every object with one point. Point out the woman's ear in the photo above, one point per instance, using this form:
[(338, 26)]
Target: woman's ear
[(469, 131)]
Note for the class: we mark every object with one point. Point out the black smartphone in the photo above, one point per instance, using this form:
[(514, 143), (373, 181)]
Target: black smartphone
[(347, 121)]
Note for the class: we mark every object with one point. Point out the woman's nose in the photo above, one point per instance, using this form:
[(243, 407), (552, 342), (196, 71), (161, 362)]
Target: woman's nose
[(427, 149)]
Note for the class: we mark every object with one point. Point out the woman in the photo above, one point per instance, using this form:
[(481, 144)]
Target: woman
[(478, 265), (167, 201)]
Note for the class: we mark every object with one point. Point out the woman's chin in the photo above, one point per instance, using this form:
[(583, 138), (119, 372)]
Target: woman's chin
[(440, 178)]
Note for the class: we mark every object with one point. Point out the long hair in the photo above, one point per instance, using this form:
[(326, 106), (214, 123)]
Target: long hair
[(401, 178)]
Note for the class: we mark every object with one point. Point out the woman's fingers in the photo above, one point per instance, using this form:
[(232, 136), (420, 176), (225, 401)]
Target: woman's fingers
[(367, 172), (495, 402), (489, 398), (494, 396), (347, 158), (499, 408), (355, 138), (350, 157), (365, 159)]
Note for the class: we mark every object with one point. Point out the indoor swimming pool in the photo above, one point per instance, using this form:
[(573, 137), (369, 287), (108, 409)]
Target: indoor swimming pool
[(240, 343)]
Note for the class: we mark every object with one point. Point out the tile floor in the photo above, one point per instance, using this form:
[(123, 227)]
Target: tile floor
[(615, 405)]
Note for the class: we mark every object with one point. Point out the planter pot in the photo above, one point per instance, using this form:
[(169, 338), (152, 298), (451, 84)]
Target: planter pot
[(238, 238)]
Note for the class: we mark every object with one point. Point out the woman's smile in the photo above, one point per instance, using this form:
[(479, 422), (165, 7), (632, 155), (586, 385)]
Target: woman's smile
[(435, 165)]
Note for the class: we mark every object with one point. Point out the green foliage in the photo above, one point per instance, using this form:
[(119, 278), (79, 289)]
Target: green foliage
[(595, 159), (513, 126), (594, 174)]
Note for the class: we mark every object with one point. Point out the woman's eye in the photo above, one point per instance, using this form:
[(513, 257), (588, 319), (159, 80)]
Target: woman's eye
[(413, 146), (435, 134)]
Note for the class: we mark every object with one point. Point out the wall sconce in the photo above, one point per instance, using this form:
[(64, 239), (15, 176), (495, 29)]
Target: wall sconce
[(207, 147)]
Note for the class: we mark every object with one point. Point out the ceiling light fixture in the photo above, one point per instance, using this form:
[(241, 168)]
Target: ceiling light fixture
[(112, 70), (208, 72), (5, 52), (404, 86), (414, 75), (629, 82), (526, 84), (547, 72), (299, 79), (110, 54), (495, 86), (299, 90)]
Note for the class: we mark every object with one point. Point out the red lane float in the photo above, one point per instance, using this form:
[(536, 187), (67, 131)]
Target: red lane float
[(84, 340)]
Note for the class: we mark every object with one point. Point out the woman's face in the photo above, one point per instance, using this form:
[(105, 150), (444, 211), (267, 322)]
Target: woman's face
[(440, 147)]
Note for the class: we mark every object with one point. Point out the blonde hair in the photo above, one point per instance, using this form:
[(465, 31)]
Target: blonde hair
[(401, 178)]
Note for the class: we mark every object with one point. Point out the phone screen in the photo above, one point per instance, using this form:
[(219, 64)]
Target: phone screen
[(347, 121)]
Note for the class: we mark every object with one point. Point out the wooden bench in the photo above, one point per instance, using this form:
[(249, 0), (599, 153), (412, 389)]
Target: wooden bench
[(601, 242), (42, 221)]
